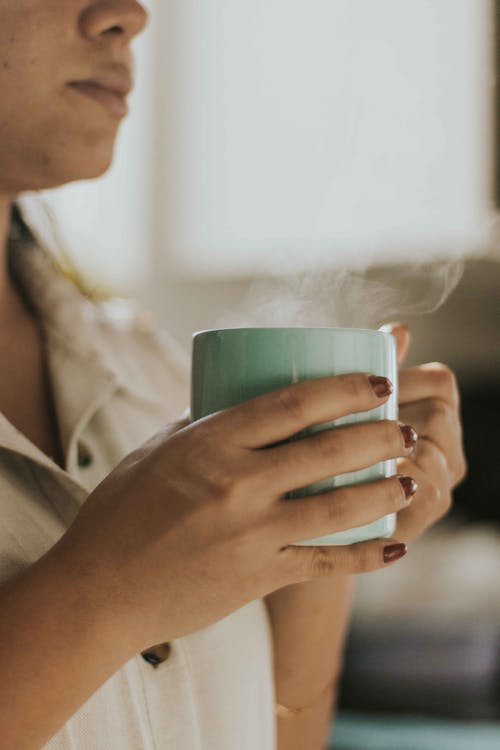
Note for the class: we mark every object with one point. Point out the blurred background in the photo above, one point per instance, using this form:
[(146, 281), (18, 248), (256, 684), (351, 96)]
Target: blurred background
[(278, 146)]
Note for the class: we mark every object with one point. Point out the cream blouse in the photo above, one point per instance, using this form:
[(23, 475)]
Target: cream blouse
[(117, 379)]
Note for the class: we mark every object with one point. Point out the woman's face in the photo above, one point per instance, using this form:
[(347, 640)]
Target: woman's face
[(53, 127)]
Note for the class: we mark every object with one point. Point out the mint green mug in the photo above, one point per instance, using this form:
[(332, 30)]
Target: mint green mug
[(232, 365)]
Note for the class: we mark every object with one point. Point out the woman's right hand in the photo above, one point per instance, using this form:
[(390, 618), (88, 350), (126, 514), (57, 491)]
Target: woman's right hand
[(194, 524)]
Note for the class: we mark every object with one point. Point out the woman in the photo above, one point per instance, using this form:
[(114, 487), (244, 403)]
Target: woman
[(141, 604)]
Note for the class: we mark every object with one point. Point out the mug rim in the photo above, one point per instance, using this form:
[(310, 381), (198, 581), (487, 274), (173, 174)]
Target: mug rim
[(262, 329)]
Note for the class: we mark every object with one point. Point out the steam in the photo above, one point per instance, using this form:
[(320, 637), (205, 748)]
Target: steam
[(348, 298)]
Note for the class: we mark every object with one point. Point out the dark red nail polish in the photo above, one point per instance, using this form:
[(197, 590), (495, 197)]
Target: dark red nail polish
[(381, 386), (409, 486), (409, 435), (394, 552)]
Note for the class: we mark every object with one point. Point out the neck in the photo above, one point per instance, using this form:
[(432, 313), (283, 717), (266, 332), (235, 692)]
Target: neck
[(11, 306)]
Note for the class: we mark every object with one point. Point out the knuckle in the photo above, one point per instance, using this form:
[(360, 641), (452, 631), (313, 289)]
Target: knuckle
[(292, 402), (204, 427), (201, 435), (225, 481), (447, 503), (220, 482), (327, 443), (428, 451), (246, 475), (251, 531), (439, 410), (340, 506), (391, 435), (361, 559), (396, 495), (462, 469), (321, 563), (444, 373), (356, 387), (441, 461), (442, 503), (434, 496), (300, 514), (294, 566), (437, 503), (335, 509), (445, 377)]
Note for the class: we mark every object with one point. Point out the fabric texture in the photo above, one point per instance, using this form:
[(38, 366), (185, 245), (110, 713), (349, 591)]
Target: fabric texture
[(117, 379)]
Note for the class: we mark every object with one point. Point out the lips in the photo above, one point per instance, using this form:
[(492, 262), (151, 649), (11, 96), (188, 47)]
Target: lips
[(109, 88)]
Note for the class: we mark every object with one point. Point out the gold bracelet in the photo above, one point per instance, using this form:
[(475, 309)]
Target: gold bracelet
[(284, 712)]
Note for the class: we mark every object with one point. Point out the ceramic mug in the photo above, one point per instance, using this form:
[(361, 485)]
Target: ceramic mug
[(236, 364)]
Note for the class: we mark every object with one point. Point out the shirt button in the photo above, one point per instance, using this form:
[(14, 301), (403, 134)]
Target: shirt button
[(156, 655), (84, 456)]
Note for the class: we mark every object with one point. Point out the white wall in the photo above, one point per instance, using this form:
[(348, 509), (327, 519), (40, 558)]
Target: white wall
[(324, 133)]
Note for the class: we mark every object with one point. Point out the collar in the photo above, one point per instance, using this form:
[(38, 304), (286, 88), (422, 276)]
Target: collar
[(83, 372)]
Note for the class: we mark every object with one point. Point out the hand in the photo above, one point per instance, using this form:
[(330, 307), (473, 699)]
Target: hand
[(193, 525), (429, 400)]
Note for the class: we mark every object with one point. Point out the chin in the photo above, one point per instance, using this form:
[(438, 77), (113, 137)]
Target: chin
[(62, 172), (60, 160), (89, 171), (87, 162)]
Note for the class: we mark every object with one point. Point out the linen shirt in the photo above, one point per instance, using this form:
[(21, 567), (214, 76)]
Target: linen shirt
[(117, 379)]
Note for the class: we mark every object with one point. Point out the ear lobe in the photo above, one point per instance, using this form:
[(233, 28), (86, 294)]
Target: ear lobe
[(403, 338)]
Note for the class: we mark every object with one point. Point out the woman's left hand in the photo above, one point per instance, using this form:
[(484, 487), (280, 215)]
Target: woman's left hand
[(310, 620), (429, 401)]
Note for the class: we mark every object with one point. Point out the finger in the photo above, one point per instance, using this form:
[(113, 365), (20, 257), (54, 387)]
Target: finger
[(403, 338), (332, 452), (432, 380), (428, 457), (305, 563), (438, 421), (341, 509), (432, 500), (279, 414)]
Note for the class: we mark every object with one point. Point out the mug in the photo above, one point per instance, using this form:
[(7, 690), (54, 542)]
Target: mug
[(232, 365)]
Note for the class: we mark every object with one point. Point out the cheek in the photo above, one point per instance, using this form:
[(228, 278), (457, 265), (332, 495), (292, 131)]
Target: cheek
[(45, 143), (47, 137), (24, 71), (80, 128)]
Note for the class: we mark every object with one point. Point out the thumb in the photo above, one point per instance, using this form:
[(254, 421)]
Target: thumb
[(403, 338)]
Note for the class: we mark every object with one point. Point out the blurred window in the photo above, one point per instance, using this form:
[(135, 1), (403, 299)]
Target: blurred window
[(319, 132), (290, 131)]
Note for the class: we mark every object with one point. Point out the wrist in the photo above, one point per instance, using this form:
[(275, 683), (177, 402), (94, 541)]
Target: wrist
[(91, 590), (309, 625), (58, 645), (283, 711)]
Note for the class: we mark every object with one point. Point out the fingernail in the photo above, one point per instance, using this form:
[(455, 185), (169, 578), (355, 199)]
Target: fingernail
[(409, 486), (394, 552), (381, 386), (410, 437)]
